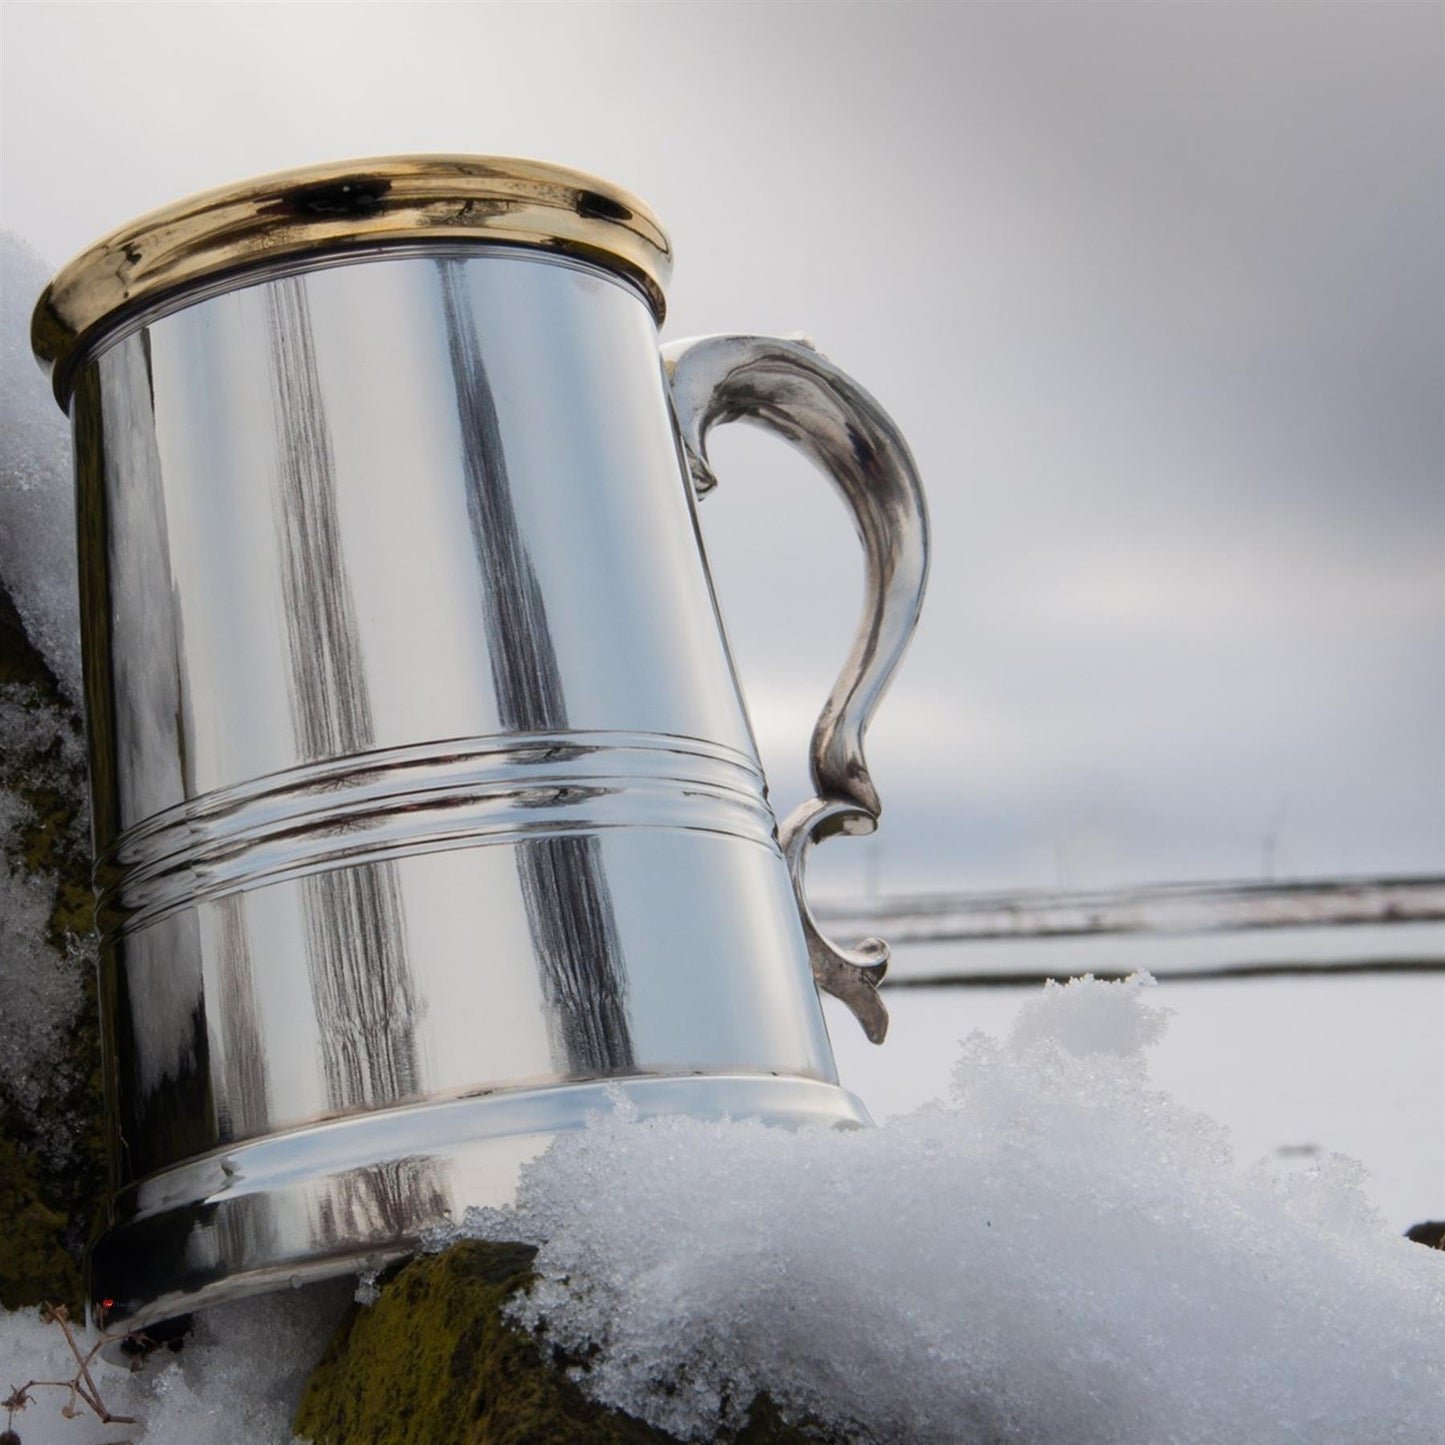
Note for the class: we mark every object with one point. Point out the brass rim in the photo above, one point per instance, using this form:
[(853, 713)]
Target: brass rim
[(340, 206)]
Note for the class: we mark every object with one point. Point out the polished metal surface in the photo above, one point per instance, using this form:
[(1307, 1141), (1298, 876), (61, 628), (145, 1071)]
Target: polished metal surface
[(385, 200), (787, 387), (400, 801), (338, 1198), (424, 796)]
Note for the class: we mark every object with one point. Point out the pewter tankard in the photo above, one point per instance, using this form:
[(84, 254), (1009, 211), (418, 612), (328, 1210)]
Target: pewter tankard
[(426, 808)]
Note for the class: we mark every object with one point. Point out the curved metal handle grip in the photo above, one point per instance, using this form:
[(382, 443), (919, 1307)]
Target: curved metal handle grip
[(787, 387)]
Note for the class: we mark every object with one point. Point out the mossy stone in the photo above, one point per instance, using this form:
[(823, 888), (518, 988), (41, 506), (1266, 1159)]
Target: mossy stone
[(433, 1362), (34, 1264), (52, 1153)]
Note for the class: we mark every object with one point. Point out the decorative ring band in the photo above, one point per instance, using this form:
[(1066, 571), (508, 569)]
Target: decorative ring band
[(402, 801)]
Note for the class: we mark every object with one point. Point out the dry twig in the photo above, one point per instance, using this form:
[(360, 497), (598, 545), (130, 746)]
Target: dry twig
[(80, 1386)]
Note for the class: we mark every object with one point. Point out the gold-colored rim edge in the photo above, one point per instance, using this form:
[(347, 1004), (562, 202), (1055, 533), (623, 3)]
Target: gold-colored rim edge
[(344, 205)]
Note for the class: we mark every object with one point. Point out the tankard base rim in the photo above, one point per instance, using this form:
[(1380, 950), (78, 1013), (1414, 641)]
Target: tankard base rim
[(356, 1194)]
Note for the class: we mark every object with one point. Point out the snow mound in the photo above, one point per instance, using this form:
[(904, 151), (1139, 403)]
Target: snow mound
[(37, 498), (1058, 1253)]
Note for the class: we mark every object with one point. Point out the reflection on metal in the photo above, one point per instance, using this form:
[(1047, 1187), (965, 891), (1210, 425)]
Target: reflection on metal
[(425, 800), (579, 953), (361, 981), (566, 893), (391, 802), (330, 709), (525, 674), (395, 1199), (788, 388), (1173, 908), (361, 985), (850, 974), (244, 1105), (298, 1206), (158, 1048)]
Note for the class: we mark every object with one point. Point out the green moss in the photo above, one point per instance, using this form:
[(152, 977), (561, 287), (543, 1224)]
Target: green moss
[(34, 1264), (432, 1362), (46, 771), (20, 660), (52, 1152)]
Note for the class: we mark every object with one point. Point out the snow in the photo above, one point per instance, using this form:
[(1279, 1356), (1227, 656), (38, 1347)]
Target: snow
[(37, 501), (40, 985), (236, 1382), (1294, 1067), (1058, 1251)]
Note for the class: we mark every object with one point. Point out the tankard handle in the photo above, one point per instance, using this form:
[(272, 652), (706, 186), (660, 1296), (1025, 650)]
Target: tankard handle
[(787, 387)]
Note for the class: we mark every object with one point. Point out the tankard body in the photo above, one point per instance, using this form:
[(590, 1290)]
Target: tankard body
[(426, 807)]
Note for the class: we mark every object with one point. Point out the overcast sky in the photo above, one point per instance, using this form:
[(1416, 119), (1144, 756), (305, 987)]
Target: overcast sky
[(1156, 293)]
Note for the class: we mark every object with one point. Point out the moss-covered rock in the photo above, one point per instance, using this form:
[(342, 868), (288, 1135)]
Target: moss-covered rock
[(34, 1263), (433, 1362), (1430, 1232), (52, 1142)]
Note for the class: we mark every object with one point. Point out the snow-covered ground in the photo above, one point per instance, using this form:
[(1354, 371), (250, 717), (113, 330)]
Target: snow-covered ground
[(1058, 1250), (1294, 1067), (237, 1381)]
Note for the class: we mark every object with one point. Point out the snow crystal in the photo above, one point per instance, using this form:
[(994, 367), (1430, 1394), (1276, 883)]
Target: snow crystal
[(237, 1380), (1087, 1020), (37, 499), (1059, 1252)]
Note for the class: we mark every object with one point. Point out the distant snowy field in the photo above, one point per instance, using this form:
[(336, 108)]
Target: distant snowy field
[(1293, 1067)]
